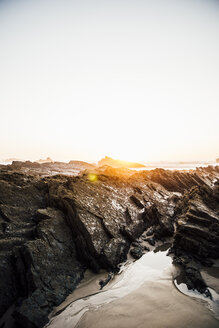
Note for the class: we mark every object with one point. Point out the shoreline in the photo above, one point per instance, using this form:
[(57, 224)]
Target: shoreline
[(155, 284), (55, 227)]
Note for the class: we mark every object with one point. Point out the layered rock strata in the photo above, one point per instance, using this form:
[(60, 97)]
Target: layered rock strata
[(54, 227), (196, 238)]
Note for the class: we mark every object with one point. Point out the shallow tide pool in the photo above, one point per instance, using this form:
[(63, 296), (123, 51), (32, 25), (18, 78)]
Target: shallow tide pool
[(142, 295)]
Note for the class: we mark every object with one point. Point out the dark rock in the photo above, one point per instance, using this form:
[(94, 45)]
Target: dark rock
[(53, 227), (137, 252), (175, 180), (135, 244), (38, 257), (196, 228), (151, 241), (48, 269), (136, 201), (196, 237), (150, 232), (103, 283)]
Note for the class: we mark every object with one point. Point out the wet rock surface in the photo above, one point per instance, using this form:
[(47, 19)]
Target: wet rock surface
[(53, 227), (196, 238)]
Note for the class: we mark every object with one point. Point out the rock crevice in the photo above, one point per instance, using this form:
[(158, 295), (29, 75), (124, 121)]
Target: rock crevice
[(54, 227)]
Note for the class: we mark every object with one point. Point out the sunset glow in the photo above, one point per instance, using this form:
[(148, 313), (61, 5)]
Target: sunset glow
[(136, 80)]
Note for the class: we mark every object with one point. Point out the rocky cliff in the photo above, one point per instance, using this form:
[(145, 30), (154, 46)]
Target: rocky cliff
[(54, 227)]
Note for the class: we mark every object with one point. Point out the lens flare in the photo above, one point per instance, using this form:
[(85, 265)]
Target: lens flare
[(92, 177)]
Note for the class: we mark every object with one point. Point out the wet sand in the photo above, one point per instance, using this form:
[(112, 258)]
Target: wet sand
[(154, 305), (88, 286), (211, 277), (144, 295)]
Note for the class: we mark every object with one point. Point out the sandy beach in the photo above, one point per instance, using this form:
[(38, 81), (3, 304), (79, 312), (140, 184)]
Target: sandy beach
[(144, 295)]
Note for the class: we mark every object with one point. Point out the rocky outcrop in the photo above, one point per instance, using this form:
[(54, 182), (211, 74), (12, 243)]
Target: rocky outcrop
[(54, 227), (196, 238), (177, 181), (45, 168), (105, 216), (38, 258), (47, 268), (19, 199), (108, 161)]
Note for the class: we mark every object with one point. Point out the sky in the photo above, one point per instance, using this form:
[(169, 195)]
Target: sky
[(135, 80)]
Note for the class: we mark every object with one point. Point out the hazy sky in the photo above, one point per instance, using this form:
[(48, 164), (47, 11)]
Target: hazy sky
[(135, 80)]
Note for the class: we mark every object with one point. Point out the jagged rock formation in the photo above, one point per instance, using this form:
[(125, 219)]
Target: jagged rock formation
[(54, 227), (45, 168), (38, 258), (196, 239)]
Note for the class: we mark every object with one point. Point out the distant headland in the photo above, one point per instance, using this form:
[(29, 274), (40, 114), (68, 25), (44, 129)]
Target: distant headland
[(115, 163)]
